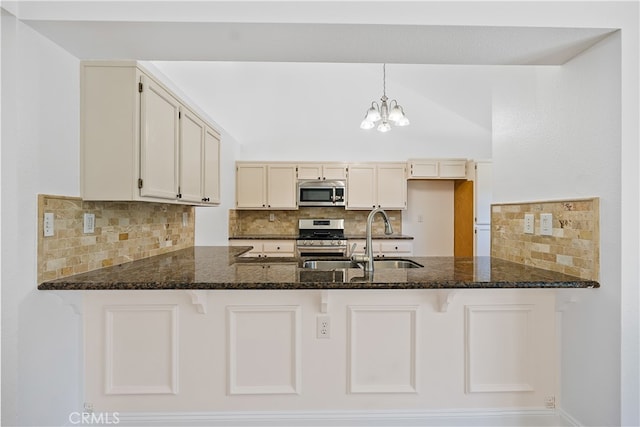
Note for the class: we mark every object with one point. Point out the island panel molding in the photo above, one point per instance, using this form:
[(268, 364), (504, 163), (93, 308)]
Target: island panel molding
[(383, 349), (264, 345), (573, 248), (498, 348), (141, 349)]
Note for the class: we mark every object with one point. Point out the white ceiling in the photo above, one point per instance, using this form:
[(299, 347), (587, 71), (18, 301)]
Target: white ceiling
[(299, 31), (234, 55)]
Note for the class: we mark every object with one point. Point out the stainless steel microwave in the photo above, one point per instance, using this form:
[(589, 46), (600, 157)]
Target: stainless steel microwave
[(321, 193)]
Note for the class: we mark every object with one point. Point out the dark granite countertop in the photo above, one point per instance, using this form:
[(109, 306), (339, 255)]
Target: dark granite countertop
[(295, 237), (208, 267)]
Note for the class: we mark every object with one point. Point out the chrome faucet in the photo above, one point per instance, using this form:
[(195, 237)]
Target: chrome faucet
[(367, 258)]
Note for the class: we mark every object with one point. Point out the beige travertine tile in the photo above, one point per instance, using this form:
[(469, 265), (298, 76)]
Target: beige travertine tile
[(574, 247), (256, 223), (124, 232)]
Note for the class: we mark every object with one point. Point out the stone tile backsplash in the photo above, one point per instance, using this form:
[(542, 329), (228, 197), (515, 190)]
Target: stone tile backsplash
[(124, 231), (573, 248), (257, 223)]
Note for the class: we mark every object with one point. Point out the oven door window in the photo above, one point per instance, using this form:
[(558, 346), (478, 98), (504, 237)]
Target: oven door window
[(316, 195)]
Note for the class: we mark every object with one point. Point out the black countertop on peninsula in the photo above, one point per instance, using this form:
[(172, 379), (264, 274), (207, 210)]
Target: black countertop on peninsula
[(219, 267), (295, 237)]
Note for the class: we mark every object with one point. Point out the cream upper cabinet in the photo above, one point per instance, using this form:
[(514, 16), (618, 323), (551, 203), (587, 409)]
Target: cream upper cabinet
[(139, 141), (192, 131), (392, 186), (437, 169), (372, 185), (266, 186), (322, 171), (159, 139), (211, 165)]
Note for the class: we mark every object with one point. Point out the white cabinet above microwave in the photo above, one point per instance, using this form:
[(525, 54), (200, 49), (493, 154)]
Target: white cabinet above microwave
[(437, 168)]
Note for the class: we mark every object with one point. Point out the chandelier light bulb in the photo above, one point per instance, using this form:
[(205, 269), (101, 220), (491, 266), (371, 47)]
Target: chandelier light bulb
[(384, 112), (384, 127), (367, 124)]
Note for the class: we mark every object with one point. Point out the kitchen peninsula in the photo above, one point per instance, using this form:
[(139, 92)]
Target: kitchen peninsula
[(223, 268), (206, 331)]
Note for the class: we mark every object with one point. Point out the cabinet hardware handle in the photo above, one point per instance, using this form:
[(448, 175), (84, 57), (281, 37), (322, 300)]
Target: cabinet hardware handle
[(179, 196)]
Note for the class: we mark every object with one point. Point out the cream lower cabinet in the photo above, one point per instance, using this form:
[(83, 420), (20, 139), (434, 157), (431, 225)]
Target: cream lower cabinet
[(384, 247), (376, 185), (266, 186), (175, 356), (139, 141), (267, 247)]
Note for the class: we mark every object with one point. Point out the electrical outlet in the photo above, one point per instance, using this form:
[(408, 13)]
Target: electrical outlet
[(550, 402), (48, 224), (272, 217), (546, 224), (323, 327), (89, 223), (528, 223), (185, 219)]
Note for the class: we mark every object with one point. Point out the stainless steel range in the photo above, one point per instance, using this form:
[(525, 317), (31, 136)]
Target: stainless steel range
[(321, 237)]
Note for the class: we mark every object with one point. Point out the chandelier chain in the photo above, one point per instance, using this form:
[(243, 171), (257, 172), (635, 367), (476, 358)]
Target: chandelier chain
[(384, 80)]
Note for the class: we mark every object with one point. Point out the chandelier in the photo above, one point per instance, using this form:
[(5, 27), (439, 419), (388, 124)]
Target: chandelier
[(384, 114)]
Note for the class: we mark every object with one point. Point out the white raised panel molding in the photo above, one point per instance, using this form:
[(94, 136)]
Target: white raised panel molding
[(383, 349), (264, 345), (141, 349), (498, 348)]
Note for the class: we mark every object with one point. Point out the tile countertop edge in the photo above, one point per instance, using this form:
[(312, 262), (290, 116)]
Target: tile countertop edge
[(216, 268)]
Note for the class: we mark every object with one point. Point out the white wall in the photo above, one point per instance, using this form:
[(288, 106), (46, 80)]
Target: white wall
[(429, 217), (557, 134), (41, 358), (311, 111)]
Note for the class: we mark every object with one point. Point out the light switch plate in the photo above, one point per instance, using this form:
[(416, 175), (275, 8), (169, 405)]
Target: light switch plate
[(48, 224), (546, 224), (528, 223), (89, 225)]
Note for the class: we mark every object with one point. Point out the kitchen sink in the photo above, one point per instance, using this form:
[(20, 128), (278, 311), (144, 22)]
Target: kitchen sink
[(395, 263), (327, 264)]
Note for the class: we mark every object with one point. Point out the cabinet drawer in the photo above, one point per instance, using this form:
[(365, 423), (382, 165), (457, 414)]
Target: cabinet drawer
[(279, 247), (396, 248)]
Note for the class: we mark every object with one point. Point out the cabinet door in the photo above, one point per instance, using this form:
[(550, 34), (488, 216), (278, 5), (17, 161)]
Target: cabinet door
[(392, 186), (482, 240), (361, 187), (281, 186), (334, 171), (159, 141), (192, 131), (310, 171), (483, 192), (427, 168), (251, 186), (453, 169), (211, 165)]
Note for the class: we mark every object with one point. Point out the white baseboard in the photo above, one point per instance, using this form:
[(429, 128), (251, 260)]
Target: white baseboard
[(466, 417)]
